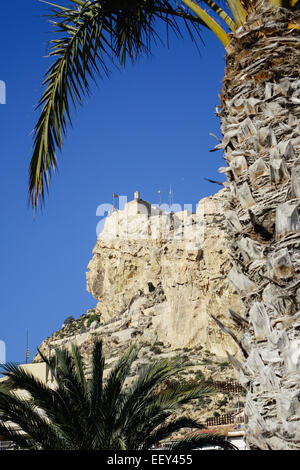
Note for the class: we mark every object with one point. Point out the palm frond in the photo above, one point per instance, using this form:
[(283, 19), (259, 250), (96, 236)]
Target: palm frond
[(141, 425), (221, 13), (28, 417), (209, 21), (238, 11), (79, 368), (119, 373), (112, 390), (276, 3), (8, 433), (65, 409), (141, 390), (182, 393), (72, 391), (96, 383), (20, 378), (199, 441), (167, 429), (144, 407), (91, 37)]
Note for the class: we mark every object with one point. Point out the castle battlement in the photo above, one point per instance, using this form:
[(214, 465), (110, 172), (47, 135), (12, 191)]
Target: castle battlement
[(141, 220)]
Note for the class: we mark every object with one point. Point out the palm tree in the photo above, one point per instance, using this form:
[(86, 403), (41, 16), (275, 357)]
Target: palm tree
[(97, 413), (259, 114)]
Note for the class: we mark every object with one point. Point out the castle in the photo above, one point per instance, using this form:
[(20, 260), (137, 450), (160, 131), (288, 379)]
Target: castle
[(140, 220)]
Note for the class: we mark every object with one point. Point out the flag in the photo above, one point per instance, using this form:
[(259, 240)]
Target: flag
[(115, 195)]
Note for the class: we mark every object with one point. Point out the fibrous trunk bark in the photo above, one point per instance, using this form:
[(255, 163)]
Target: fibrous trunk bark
[(260, 115)]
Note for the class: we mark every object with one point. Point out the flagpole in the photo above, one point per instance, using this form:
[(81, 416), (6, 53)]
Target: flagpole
[(114, 196)]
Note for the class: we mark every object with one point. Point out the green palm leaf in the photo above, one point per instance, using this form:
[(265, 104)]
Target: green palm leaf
[(40, 431), (201, 441), (165, 430), (96, 383), (91, 36)]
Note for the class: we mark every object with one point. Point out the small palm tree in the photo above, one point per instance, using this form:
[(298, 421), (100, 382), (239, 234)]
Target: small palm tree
[(94, 414)]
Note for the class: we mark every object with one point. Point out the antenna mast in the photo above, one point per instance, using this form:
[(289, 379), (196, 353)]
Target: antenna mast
[(159, 192), (170, 197), (27, 349)]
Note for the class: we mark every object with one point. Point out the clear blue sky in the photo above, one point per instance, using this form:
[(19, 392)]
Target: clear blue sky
[(143, 129)]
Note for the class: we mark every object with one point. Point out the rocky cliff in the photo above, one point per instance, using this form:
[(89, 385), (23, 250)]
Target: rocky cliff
[(156, 282), (166, 286)]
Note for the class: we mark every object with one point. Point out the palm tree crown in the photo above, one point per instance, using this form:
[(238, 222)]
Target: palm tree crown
[(97, 414)]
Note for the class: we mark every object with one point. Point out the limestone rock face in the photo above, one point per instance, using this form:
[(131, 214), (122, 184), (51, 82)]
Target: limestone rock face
[(157, 288), (166, 275)]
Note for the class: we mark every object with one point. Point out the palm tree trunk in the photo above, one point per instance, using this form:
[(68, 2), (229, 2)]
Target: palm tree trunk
[(260, 114)]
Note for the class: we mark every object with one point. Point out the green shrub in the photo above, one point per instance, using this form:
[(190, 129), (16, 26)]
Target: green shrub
[(199, 375), (93, 317), (223, 365)]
